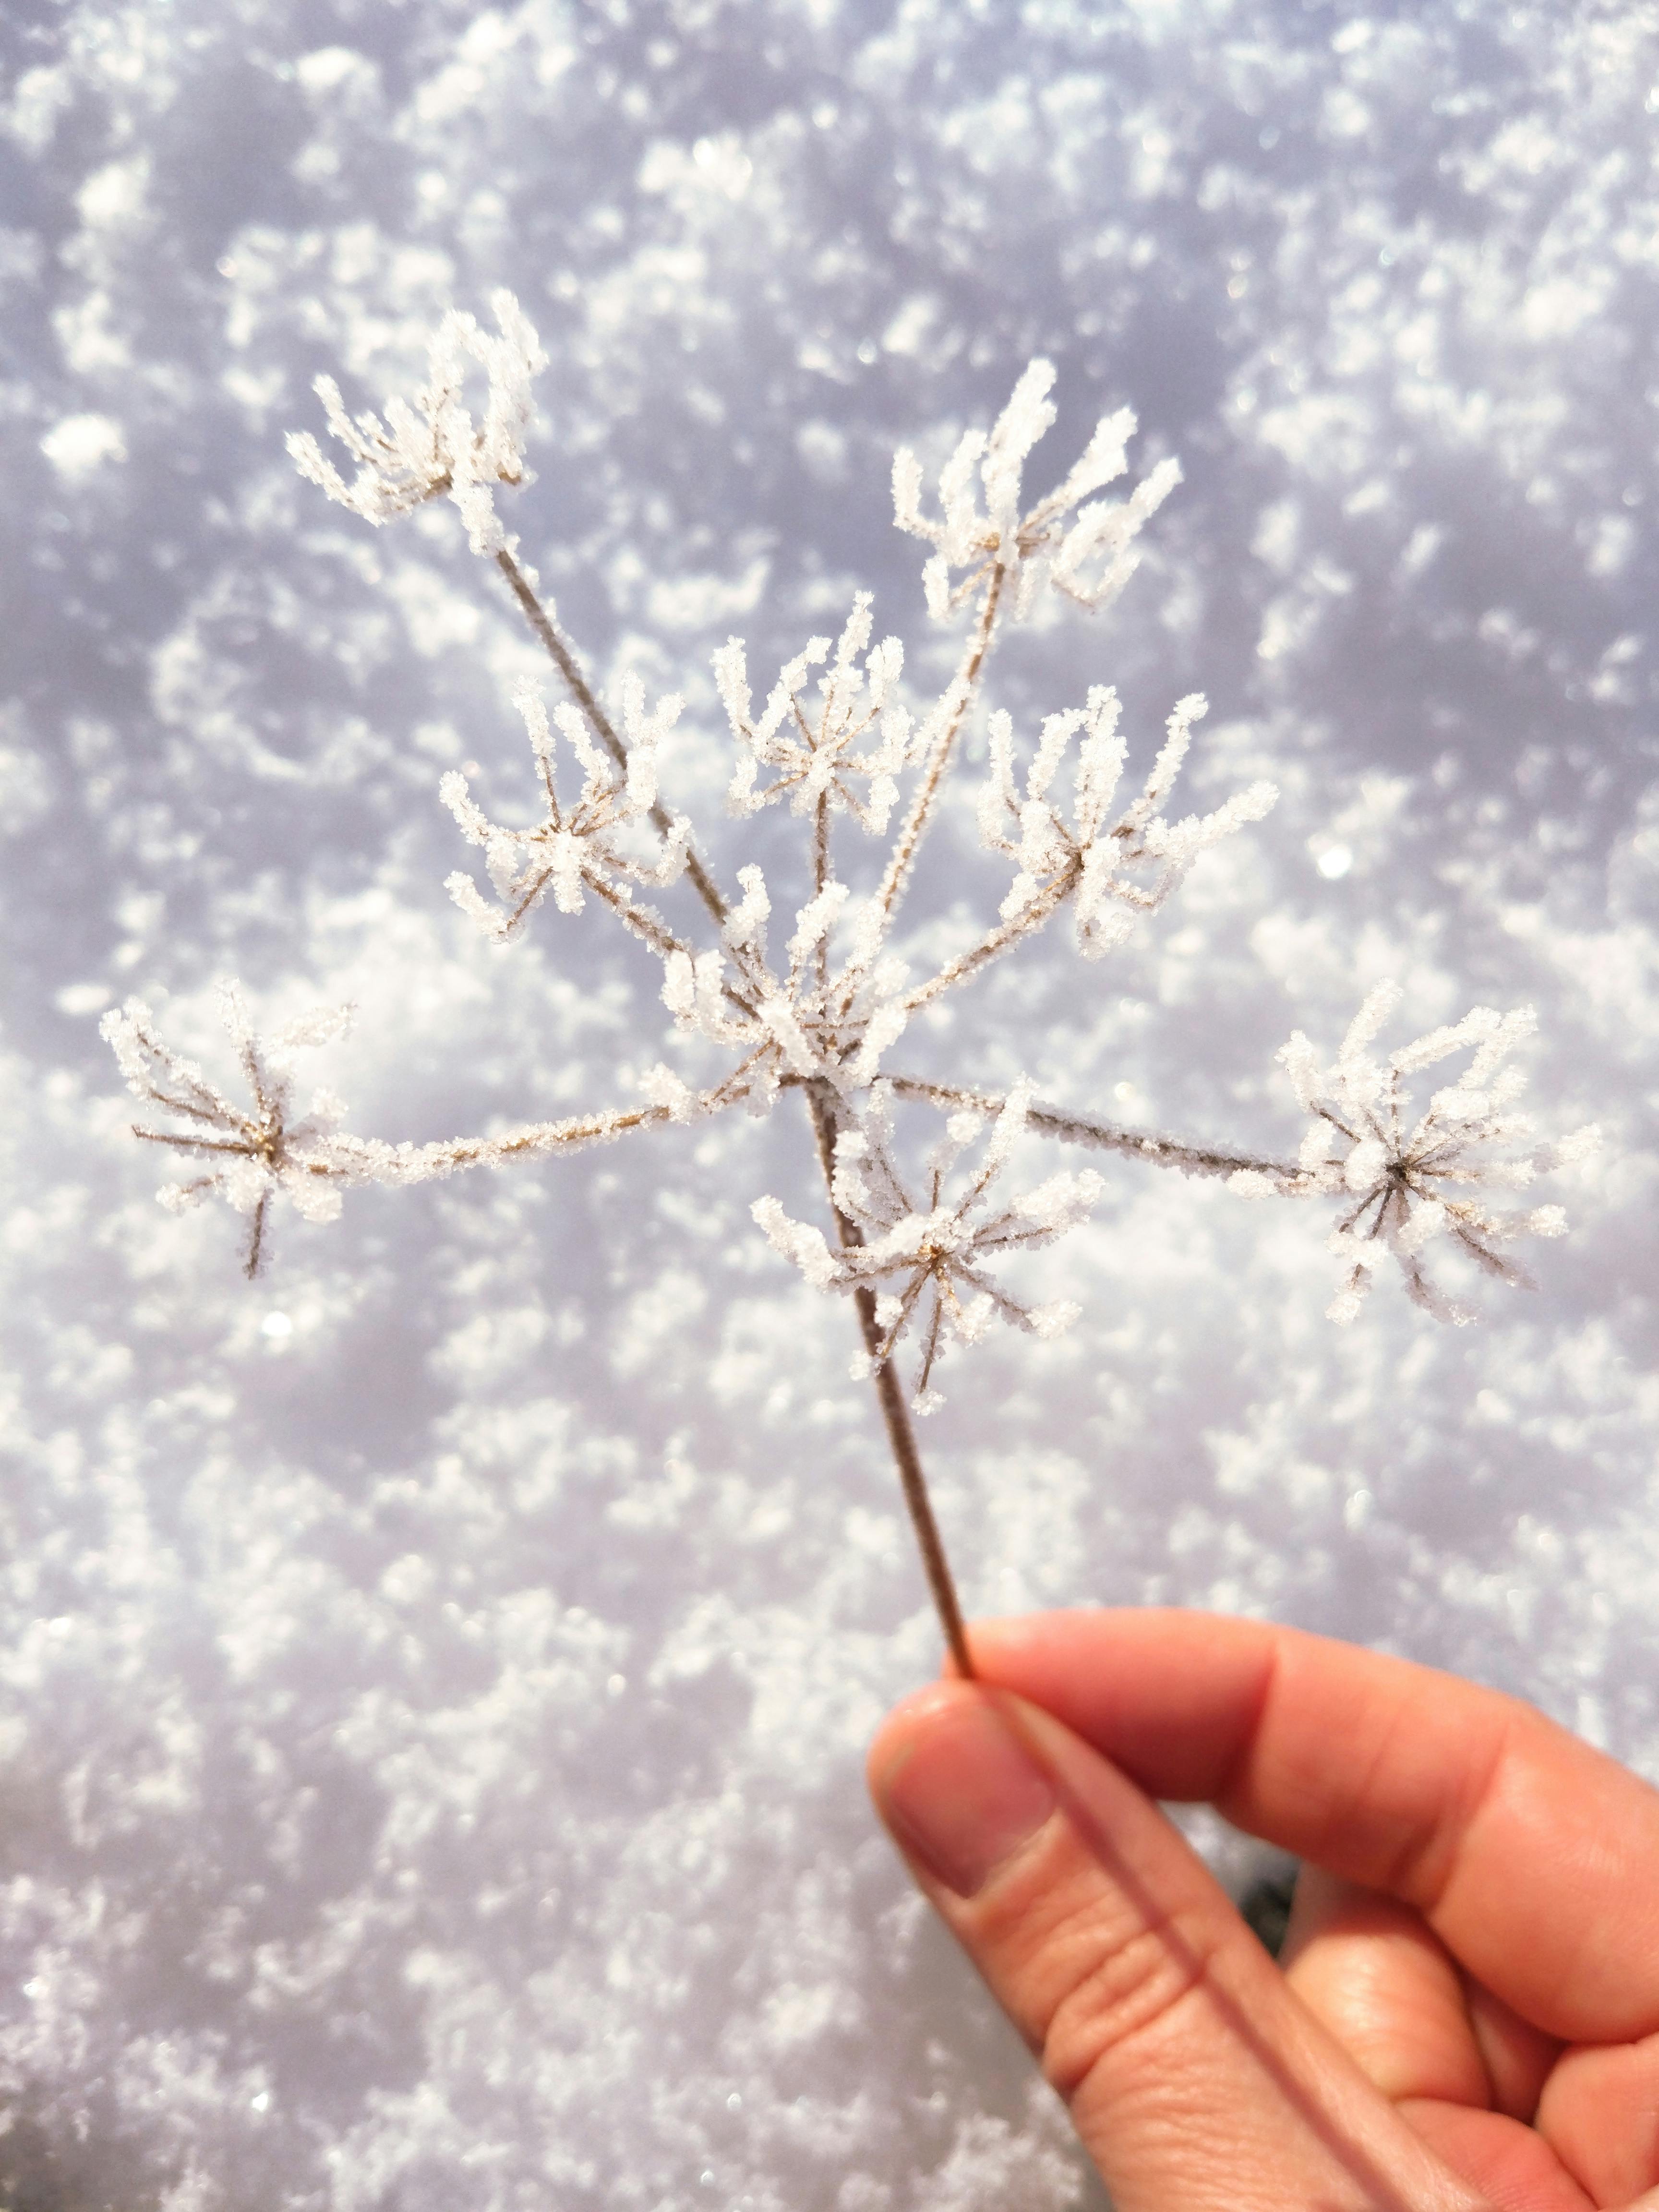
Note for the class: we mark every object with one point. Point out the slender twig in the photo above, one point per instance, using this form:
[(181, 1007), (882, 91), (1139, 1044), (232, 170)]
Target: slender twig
[(997, 941), (1106, 1136), (645, 924), (889, 1395), (961, 691), (256, 1241)]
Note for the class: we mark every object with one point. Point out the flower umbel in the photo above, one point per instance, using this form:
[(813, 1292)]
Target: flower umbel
[(1414, 1178), (813, 747), (248, 1156), (1048, 543), (574, 846), (933, 1253), (434, 448), (1112, 870)]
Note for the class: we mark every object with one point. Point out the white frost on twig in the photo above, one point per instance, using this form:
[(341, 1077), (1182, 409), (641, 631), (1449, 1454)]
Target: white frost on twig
[(250, 1156)]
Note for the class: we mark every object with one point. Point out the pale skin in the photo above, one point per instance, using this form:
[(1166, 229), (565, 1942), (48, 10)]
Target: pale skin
[(1467, 2011)]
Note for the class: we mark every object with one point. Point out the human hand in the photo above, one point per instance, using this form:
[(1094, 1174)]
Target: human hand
[(1467, 2013)]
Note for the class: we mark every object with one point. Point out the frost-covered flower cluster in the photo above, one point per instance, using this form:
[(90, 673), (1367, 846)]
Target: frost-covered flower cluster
[(575, 847), (937, 1252), (1086, 551), (434, 447), (1411, 1179), (1088, 859), (246, 1157), (822, 1011), (811, 746)]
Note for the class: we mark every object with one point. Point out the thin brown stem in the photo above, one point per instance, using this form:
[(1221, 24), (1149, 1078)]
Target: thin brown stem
[(644, 924), (902, 1437), (256, 1241), (889, 1395), (1109, 1137), (598, 721)]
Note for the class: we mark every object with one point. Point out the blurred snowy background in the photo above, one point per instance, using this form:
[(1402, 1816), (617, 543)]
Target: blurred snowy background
[(435, 1678)]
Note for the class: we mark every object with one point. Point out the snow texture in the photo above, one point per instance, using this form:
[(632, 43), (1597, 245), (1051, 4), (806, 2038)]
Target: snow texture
[(435, 1676)]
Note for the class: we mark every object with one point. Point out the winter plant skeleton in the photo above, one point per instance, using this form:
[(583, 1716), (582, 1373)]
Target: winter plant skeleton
[(834, 740)]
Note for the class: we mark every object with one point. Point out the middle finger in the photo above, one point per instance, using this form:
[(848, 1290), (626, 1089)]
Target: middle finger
[(1380, 1981)]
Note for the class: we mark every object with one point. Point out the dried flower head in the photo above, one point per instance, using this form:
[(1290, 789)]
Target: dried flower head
[(810, 746), (248, 1157), (1110, 870), (576, 845), (1412, 1178), (934, 1253), (434, 448), (1056, 541)]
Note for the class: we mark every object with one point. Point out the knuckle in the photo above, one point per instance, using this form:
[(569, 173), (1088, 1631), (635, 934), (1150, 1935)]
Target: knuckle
[(1113, 1996)]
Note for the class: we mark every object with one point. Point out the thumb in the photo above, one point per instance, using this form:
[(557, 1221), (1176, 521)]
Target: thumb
[(1196, 2079)]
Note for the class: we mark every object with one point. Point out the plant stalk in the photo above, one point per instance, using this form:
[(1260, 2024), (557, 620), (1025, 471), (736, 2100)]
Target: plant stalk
[(895, 1413)]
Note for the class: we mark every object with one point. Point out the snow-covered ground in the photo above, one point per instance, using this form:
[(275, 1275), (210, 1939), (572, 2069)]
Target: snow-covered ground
[(435, 1677)]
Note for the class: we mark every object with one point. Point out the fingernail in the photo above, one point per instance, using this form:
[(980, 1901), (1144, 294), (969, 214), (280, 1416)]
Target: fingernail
[(965, 1794)]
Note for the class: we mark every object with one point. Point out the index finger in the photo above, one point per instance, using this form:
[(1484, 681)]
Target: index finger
[(1533, 1858)]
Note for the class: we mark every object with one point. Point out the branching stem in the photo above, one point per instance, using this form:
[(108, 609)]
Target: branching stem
[(1025, 923)]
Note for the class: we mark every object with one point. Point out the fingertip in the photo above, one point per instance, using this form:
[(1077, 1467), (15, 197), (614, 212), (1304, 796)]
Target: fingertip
[(908, 1722), (958, 1781), (919, 1701)]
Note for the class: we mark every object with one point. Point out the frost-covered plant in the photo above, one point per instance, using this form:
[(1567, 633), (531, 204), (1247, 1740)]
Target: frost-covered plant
[(823, 1016)]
